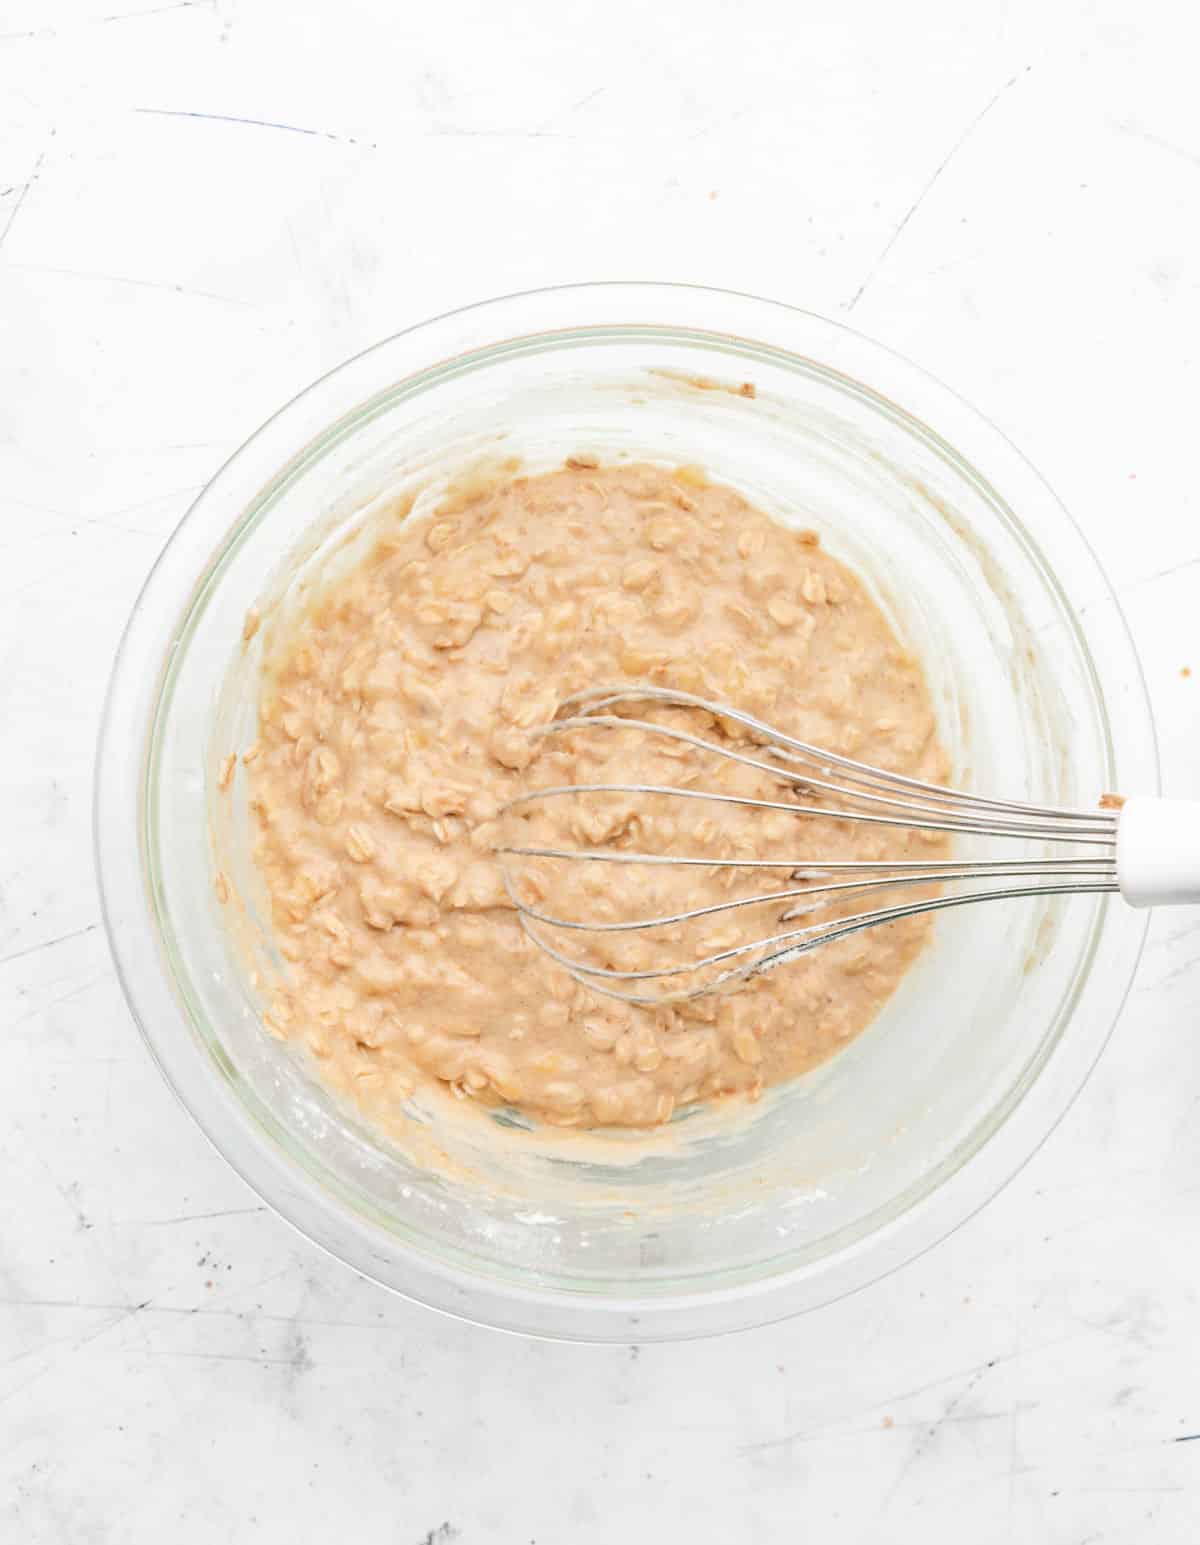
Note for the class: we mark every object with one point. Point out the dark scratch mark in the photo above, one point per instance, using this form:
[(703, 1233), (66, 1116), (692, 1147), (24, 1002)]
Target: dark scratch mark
[(257, 1286), (46, 509), (1178, 933), (154, 10), (44, 1008), (104, 521), (373, 1326), (141, 284), (1014, 1463), (105, 516), (1175, 568), (575, 107), (928, 188), (73, 519), (1138, 584), (722, 123), (65, 1303), (253, 123), (54, 573), (1176, 972), (68, 1194), (441, 1535), (966, 1419), (583, 101), (32, 1379), (226, 1357), (299, 1358), (955, 1374), (42, 1348), (450, 133), (126, 1313), (1183, 153), (765, 1445), (21, 197), (294, 245), (36, 949), (1100, 1491), (1188, 1437), (817, 1434), (189, 1217), (55, 1063), (949, 1416), (931, 1432), (177, 445)]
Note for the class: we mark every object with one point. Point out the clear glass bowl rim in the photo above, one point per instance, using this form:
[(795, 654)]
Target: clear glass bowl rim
[(279, 450)]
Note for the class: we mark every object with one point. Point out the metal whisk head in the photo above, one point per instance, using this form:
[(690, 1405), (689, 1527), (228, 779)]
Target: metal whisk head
[(813, 784)]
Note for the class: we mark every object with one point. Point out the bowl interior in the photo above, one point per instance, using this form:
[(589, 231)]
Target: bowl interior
[(723, 1204)]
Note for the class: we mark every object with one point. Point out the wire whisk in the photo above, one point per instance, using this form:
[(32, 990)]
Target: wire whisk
[(1147, 849)]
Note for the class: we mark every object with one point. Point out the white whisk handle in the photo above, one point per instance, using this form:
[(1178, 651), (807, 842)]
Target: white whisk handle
[(1158, 852)]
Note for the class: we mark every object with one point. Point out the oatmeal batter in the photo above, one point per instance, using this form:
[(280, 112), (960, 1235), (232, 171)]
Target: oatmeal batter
[(394, 726)]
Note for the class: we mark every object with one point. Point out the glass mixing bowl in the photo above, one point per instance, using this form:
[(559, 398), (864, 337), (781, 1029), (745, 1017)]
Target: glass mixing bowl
[(727, 1219)]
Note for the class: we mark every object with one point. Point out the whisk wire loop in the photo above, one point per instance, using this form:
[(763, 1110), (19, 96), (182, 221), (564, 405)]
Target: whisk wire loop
[(823, 785)]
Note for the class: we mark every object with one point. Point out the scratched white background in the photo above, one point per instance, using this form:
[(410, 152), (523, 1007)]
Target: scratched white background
[(202, 207)]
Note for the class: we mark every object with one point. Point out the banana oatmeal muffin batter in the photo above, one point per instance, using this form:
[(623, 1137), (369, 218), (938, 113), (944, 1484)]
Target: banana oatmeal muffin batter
[(394, 725)]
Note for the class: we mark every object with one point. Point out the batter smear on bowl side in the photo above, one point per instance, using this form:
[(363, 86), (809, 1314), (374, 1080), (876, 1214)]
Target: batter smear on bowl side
[(395, 723)]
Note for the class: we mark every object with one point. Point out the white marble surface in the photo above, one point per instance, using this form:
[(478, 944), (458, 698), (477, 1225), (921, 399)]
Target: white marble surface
[(202, 206)]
